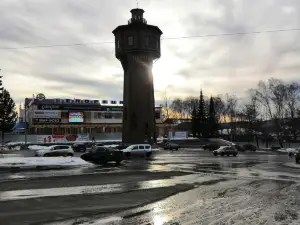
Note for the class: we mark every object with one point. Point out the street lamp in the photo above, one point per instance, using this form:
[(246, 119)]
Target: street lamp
[(25, 119)]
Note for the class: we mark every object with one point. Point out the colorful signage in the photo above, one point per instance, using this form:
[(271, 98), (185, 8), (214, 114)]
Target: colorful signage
[(75, 117)]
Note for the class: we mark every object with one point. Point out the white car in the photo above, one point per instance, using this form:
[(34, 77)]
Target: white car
[(56, 150), (225, 150), (138, 150)]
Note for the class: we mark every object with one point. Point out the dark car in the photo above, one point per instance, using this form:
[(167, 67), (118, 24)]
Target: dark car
[(79, 147), (103, 155), (122, 146), (249, 147), (297, 155), (240, 148), (211, 147), (171, 146)]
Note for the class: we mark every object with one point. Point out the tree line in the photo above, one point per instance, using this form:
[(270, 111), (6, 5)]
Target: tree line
[(270, 110)]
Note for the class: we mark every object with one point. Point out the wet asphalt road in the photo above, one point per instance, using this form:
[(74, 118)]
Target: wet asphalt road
[(188, 187)]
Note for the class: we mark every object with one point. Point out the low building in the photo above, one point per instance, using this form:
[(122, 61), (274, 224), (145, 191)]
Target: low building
[(75, 116)]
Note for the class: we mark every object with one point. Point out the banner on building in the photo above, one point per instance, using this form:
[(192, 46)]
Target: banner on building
[(178, 135), (46, 120), (47, 114), (62, 138)]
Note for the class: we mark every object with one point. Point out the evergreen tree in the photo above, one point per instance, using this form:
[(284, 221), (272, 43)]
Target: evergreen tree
[(194, 122), (201, 117), (212, 124), (8, 114)]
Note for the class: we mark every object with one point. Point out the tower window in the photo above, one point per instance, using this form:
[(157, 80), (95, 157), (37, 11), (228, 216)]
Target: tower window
[(130, 40), (147, 40), (118, 43)]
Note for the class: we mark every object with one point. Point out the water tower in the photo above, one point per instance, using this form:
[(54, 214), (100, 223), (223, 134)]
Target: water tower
[(137, 45)]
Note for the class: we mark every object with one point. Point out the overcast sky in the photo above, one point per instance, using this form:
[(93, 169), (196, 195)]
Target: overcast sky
[(218, 65)]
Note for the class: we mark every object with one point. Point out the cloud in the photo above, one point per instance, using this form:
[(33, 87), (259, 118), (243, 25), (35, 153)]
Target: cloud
[(221, 64)]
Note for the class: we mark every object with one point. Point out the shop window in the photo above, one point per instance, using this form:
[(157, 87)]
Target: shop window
[(108, 115)]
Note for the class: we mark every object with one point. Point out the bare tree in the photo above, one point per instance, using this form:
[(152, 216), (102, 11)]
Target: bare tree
[(177, 107), (231, 104), (292, 100), (272, 95), (219, 108), (166, 105), (188, 105)]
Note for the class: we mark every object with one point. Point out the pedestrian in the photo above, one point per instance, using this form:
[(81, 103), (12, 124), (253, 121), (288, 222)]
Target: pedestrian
[(93, 139)]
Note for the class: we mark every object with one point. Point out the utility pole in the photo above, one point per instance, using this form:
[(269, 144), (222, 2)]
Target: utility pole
[(2, 108)]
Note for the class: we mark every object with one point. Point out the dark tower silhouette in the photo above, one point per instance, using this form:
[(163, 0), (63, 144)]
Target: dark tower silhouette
[(137, 46)]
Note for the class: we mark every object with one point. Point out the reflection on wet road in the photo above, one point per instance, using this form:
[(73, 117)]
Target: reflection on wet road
[(252, 188)]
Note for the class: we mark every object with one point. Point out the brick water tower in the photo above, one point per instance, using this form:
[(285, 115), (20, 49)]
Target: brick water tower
[(137, 46)]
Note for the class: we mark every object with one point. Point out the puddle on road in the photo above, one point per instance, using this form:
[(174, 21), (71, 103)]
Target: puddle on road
[(109, 188)]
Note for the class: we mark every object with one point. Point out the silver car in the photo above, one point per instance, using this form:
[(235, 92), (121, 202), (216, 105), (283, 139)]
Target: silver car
[(56, 150), (225, 150)]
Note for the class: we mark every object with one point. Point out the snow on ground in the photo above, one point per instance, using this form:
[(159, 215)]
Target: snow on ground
[(291, 164), (9, 155), (38, 147), (33, 162)]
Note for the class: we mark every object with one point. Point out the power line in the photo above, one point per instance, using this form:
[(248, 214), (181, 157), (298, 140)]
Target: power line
[(165, 38), (231, 34)]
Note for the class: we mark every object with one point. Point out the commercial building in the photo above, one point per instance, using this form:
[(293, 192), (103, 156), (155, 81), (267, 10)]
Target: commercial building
[(74, 116)]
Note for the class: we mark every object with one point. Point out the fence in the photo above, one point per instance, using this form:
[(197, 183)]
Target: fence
[(33, 138)]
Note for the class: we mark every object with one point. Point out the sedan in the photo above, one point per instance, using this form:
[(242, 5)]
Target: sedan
[(225, 150), (56, 150), (103, 155)]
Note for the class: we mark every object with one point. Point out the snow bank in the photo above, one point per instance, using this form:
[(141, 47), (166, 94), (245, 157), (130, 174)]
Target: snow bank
[(291, 164), (38, 162), (288, 150), (38, 147)]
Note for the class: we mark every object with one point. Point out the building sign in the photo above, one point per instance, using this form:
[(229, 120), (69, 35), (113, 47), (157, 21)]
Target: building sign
[(46, 114), (178, 135), (75, 117), (51, 107), (41, 97), (110, 109), (63, 138), (46, 120)]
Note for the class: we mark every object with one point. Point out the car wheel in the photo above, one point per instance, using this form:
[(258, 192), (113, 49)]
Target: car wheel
[(148, 154), (118, 162), (235, 154), (46, 155), (222, 154), (127, 154), (69, 154), (215, 154), (177, 149), (228, 155)]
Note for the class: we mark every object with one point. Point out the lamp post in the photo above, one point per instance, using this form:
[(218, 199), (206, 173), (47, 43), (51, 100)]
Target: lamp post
[(25, 119)]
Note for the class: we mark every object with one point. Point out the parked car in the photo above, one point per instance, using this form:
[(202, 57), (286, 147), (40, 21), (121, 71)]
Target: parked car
[(297, 156), (138, 150), (56, 150), (211, 147), (122, 146), (103, 155), (79, 147), (225, 150), (240, 148), (171, 146), (249, 147)]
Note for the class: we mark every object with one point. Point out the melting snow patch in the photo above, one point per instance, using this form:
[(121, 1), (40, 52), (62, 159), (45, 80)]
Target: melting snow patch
[(294, 165), (34, 162)]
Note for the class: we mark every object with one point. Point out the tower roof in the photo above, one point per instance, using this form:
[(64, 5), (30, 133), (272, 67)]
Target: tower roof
[(137, 16)]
